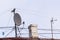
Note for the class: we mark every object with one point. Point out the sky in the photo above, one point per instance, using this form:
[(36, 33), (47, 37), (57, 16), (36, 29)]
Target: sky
[(38, 12)]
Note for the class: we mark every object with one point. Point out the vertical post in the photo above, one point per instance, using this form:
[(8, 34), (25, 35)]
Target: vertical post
[(52, 28), (15, 31), (15, 23)]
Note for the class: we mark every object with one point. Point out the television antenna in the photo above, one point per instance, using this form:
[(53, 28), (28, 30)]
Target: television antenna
[(52, 21), (17, 20)]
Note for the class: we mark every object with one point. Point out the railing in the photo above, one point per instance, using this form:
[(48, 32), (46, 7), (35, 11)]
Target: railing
[(55, 31)]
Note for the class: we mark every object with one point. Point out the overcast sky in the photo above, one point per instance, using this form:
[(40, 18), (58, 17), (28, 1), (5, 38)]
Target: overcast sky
[(37, 12)]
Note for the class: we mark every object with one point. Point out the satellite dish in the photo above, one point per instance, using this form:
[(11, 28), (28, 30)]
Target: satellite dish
[(17, 19)]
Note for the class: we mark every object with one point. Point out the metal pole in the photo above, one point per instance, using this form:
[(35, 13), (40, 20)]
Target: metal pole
[(15, 23), (15, 31), (52, 28)]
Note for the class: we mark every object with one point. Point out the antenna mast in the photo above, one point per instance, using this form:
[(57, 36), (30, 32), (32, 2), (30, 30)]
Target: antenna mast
[(52, 21), (15, 23), (52, 27)]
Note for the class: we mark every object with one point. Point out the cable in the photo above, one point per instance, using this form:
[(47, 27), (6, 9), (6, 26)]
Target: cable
[(19, 32), (9, 20), (21, 28), (48, 33), (43, 36), (9, 32), (11, 27), (5, 12), (6, 27), (49, 29), (28, 10), (24, 33)]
